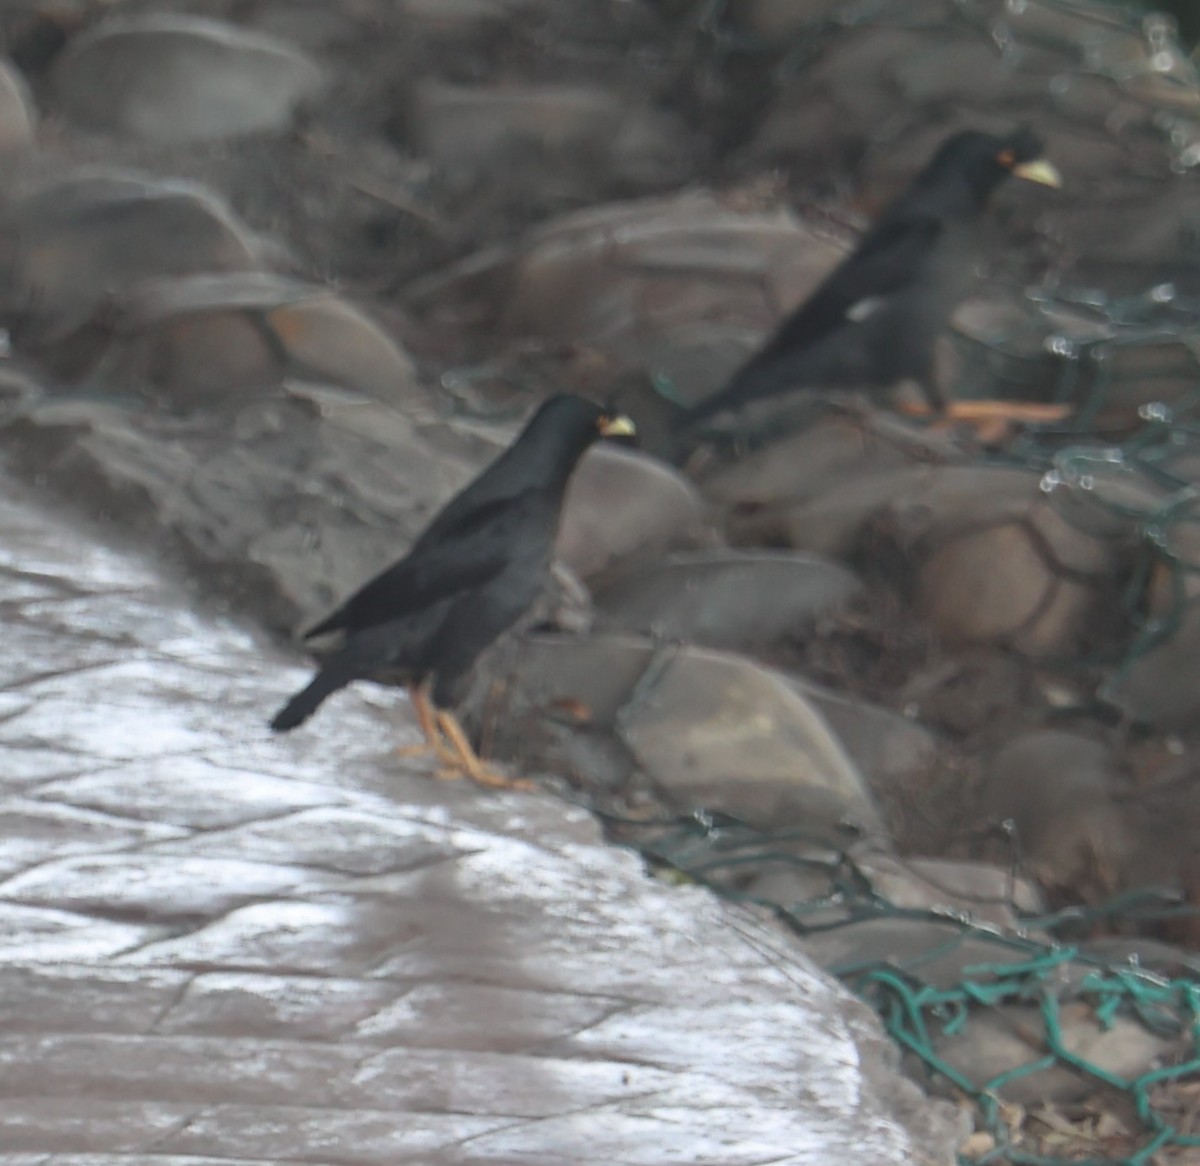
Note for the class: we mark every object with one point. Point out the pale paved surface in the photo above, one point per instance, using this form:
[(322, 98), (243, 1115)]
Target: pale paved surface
[(216, 945)]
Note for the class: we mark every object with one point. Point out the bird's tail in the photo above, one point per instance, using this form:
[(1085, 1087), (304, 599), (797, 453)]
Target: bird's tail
[(758, 377), (307, 700)]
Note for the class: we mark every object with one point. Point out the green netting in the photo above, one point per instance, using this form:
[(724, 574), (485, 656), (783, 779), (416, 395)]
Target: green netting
[(1126, 465), (919, 1005)]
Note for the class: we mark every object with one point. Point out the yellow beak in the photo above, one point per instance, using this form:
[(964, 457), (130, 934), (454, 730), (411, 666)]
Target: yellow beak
[(1039, 171), (619, 426)]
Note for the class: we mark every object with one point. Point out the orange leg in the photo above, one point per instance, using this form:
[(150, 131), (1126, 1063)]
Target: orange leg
[(1025, 412), (1029, 412), (992, 420), (427, 723), (468, 763)]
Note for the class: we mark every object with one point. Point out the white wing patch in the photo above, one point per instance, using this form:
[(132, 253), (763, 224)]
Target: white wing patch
[(862, 309)]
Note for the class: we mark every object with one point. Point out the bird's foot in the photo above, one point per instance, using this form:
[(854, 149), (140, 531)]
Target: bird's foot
[(1022, 412), (484, 775), (467, 763), (436, 749), (427, 721), (992, 421)]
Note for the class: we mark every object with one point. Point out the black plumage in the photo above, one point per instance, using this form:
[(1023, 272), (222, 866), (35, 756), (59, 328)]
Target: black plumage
[(470, 576), (874, 320)]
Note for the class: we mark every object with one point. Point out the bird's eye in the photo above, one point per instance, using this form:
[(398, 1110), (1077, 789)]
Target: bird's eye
[(1006, 158)]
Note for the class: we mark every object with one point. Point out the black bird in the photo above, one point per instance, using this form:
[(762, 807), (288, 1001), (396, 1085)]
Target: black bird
[(474, 571), (874, 320)]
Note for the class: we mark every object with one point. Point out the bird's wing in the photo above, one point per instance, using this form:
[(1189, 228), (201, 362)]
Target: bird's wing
[(446, 560), (890, 258)]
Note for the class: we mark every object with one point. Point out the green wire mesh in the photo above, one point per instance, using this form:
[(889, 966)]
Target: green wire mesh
[(1048, 976), (1126, 466)]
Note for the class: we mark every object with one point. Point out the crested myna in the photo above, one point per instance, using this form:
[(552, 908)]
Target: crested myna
[(474, 571), (874, 320)]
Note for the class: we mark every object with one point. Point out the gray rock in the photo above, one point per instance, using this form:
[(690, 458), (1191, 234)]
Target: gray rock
[(1142, 954), (818, 113), (76, 240), (830, 523), (976, 892), (338, 341), (991, 559), (782, 876), (17, 115), (624, 504), (737, 600), (313, 26), (175, 79), (994, 1043), (892, 752), (715, 731), (658, 707), (970, 692), (808, 882), (1127, 252), (937, 952), (456, 18), (813, 461), (1164, 817), (780, 19), (560, 139), (286, 506), (1161, 684), (1060, 791), (996, 586), (589, 759), (191, 338), (684, 285), (920, 501), (957, 64), (592, 677)]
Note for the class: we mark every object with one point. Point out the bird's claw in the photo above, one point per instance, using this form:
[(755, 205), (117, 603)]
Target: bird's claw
[(465, 762), (485, 776)]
